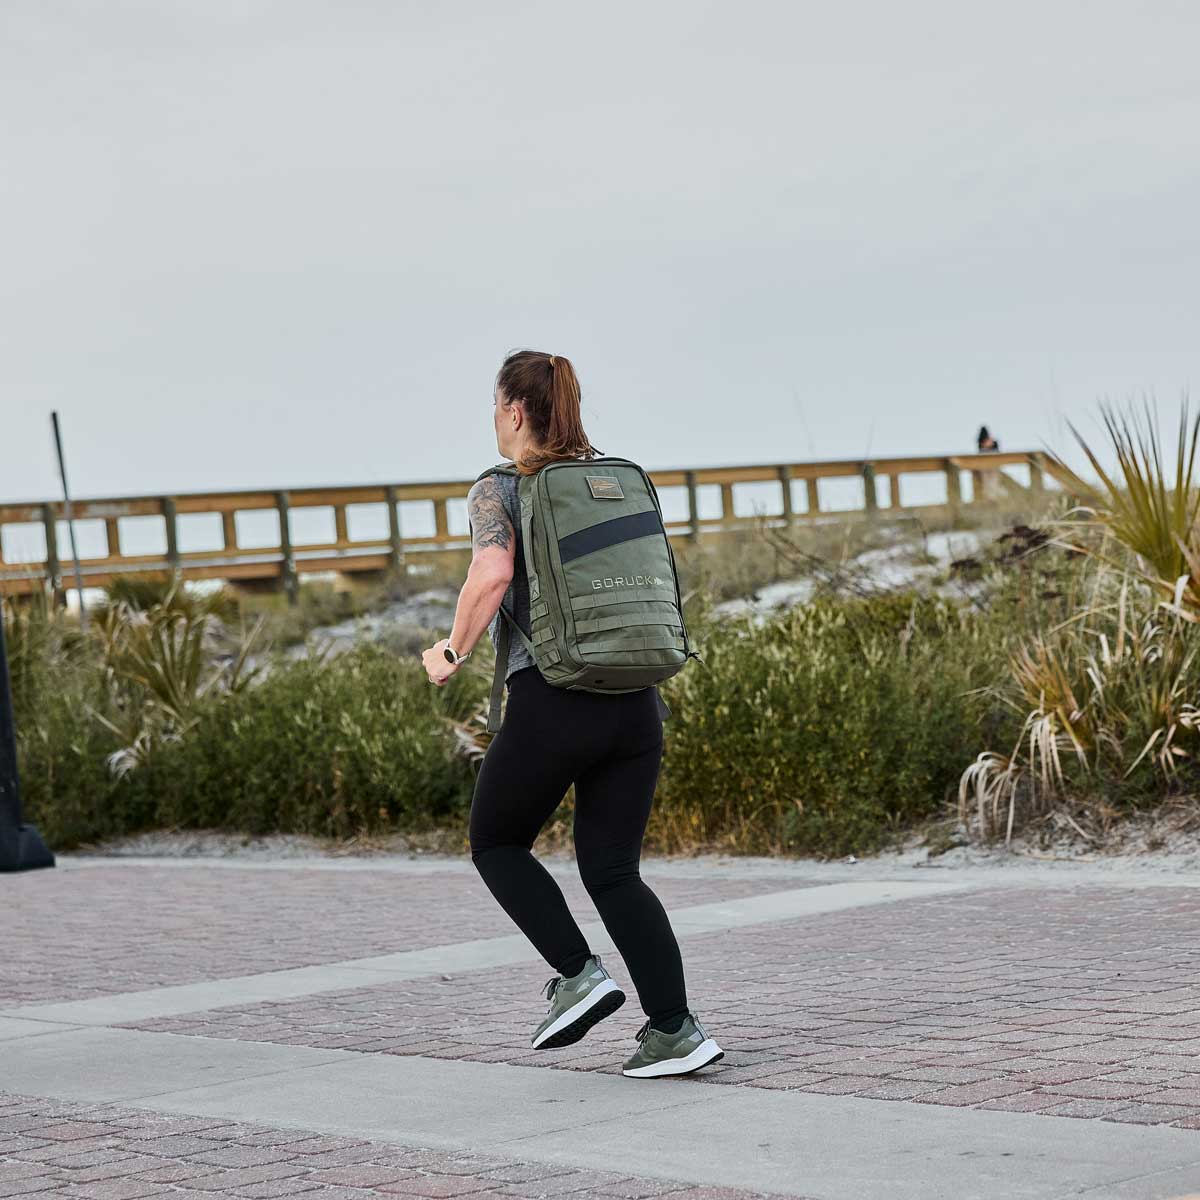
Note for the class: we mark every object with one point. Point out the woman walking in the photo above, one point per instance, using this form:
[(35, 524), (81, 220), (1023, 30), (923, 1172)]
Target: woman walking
[(609, 745)]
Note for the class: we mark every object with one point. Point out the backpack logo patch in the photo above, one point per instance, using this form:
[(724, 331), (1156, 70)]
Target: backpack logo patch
[(618, 581), (605, 487)]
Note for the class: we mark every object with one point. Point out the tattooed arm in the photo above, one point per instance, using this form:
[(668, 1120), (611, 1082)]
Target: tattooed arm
[(493, 546)]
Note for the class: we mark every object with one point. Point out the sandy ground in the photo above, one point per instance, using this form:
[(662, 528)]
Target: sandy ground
[(1127, 858)]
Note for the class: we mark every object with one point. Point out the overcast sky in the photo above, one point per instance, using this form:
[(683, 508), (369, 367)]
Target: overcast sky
[(266, 243)]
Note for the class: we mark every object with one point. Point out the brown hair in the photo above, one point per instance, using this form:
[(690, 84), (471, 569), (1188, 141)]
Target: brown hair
[(550, 390)]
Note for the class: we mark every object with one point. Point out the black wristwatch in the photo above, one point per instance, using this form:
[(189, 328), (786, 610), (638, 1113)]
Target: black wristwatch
[(452, 655)]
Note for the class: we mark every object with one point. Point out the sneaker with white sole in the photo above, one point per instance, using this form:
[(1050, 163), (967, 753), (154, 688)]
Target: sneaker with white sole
[(576, 1004), (687, 1049)]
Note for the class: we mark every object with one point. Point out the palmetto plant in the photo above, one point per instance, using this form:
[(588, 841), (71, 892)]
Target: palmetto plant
[(160, 663), (1102, 696), (1111, 691), (1148, 507)]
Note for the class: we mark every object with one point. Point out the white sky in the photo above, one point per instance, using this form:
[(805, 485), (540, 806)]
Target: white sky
[(278, 243)]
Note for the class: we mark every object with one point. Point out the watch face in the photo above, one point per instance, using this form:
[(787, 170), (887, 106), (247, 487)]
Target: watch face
[(448, 653)]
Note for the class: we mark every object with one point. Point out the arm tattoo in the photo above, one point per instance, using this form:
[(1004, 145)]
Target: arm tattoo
[(490, 523)]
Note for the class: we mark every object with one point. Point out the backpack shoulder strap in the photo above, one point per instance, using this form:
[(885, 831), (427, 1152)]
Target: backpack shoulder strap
[(504, 468), (503, 643), (504, 636)]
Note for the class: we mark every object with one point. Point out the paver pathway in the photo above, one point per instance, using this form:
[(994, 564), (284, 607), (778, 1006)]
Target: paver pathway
[(185, 924), (1093, 1011), (913, 1038), (108, 1152)]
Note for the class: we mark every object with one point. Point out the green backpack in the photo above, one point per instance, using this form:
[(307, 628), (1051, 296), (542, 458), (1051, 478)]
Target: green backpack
[(604, 605)]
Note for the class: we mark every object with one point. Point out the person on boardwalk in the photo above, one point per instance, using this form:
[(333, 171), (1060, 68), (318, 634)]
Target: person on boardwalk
[(609, 745)]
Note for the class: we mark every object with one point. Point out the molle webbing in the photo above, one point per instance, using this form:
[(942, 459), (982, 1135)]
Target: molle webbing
[(600, 624), (621, 595)]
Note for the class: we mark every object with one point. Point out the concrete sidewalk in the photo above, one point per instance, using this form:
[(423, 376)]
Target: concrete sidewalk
[(894, 1037)]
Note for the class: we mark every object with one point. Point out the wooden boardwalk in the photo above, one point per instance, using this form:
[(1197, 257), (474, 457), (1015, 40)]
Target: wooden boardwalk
[(798, 499)]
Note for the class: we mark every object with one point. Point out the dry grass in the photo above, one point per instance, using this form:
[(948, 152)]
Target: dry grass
[(1107, 697)]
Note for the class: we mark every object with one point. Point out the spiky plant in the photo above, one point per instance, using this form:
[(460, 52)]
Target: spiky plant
[(1149, 507), (1102, 696), (161, 663)]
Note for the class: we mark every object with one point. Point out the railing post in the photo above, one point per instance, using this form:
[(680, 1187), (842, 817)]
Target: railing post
[(440, 523), (693, 506), (785, 483), (953, 487), (229, 529), (1037, 480), (53, 566), (893, 490), (112, 536), (813, 494), (170, 520), (397, 545), (869, 494), (727, 514), (291, 584)]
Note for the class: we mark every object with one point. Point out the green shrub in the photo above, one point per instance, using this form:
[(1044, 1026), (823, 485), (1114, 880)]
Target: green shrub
[(57, 682), (355, 744), (825, 730), (352, 744)]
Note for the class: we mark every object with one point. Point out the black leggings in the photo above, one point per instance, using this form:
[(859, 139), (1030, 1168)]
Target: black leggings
[(610, 746)]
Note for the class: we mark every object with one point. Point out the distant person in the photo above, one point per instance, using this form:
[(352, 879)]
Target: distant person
[(609, 745), (986, 441)]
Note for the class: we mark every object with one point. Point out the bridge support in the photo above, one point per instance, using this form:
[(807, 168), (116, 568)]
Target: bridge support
[(693, 506), (870, 495), (395, 541), (53, 566), (287, 566), (785, 487)]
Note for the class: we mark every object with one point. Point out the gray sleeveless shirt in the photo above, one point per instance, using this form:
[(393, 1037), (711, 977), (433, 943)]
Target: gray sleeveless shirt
[(516, 598)]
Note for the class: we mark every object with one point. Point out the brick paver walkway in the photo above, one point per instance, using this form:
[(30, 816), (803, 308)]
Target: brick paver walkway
[(1081, 1003), (1023, 1003), (117, 929), (51, 1149)]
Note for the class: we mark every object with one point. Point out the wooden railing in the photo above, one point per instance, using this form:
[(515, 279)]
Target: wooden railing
[(285, 562)]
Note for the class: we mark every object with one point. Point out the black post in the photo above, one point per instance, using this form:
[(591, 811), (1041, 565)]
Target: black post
[(62, 471), (21, 846)]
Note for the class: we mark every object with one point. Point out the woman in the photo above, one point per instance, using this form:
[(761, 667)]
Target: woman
[(609, 745)]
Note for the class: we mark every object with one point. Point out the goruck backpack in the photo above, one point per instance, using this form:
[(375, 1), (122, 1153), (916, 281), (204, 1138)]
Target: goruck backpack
[(605, 612)]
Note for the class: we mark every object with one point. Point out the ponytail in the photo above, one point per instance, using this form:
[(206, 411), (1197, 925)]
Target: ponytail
[(549, 387)]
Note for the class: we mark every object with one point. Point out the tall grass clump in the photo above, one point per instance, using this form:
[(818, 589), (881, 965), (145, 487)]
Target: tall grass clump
[(826, 730), (1106, 699)]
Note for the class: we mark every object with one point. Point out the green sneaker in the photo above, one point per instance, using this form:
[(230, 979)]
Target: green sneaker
[(688, 1049), (576, 1005)]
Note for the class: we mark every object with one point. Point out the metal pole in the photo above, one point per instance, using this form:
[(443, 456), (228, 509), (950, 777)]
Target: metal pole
[(62, 470), (21, 846)]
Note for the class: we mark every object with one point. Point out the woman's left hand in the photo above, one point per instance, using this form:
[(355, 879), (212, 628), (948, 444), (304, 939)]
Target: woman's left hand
[(437, 666)]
